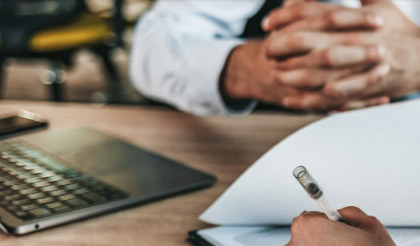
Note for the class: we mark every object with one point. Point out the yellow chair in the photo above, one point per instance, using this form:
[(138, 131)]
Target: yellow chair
[(56, 36)]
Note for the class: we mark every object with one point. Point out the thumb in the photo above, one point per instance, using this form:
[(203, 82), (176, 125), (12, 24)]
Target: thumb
[(354, 216)]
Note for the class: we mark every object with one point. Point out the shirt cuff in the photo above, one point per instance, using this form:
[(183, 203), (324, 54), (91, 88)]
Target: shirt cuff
[(204, 67)]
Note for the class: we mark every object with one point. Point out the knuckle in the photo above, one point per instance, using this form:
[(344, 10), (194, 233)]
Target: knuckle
[(328, 57), (370, 17), (298, 222), (269, 45), (354, 38), (373, 79), (373, 222), (298, 40), (331, 91), (330, 18), (353, 209), (280, 78), (307, 79), (271, 39), (373, 219), (270, 49), (288, 64), (376, 53)]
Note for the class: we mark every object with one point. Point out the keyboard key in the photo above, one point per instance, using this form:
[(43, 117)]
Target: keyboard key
[(36, 195), (49, 188), (19, 187), (71, 187), (21, 164), (41, 184), (29, 206), (11, 182), (61, 209), (66, 197), (63, 182), (33, 180), (38, 170), (12, 197), (80, 191), (57, 193), (22, 214), (39, 212), (27, 191), (21, 202), (30, 167), (54, 205), (76, 203), (55, 178), (44, 200), (46, 174)]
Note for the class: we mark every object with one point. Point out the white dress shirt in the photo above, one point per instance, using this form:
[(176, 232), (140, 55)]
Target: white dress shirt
[(180, 47)]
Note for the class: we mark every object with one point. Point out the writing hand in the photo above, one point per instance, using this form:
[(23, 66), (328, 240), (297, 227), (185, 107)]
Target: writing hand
[(315, 229)]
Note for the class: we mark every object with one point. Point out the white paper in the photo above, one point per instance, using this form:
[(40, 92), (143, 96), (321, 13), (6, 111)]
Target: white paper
[(367, 158), (405, 236)]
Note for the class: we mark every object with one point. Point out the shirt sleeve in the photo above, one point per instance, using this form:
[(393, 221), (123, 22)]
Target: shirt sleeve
[(180, 48)]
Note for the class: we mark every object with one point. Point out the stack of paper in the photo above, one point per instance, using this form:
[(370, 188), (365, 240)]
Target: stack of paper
[(367, 158)]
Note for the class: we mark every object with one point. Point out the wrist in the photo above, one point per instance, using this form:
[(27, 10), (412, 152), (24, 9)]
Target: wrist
[(231, 84), (239, 74)]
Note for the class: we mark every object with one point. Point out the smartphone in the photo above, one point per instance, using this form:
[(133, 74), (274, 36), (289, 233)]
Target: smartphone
[(20, 122)]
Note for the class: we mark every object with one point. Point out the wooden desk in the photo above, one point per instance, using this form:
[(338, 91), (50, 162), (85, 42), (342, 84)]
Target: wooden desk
[(224, 147)]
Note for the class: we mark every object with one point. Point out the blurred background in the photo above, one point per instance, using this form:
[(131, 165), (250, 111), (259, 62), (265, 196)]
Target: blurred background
[(68, 50)]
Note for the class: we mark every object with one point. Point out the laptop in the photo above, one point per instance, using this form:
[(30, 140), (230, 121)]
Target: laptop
[(52, 178)]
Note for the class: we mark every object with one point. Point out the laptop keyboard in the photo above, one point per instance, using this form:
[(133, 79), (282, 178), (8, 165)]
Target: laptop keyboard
[(34, 185)]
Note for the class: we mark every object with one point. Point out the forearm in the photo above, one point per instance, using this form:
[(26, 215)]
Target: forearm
[(184, 77), (180, 48)]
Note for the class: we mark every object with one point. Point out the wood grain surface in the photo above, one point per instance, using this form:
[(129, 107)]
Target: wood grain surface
[(224, 147)]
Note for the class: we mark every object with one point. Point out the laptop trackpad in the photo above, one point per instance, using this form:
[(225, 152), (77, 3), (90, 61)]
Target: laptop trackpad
[(131, 169)]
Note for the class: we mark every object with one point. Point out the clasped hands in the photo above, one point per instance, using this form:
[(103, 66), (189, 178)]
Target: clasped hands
[(321, 56)]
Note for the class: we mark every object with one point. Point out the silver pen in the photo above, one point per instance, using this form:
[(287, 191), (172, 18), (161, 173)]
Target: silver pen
[(315, 192)]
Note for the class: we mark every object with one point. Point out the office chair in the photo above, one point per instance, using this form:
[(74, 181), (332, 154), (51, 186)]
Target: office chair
[(55, 30)]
